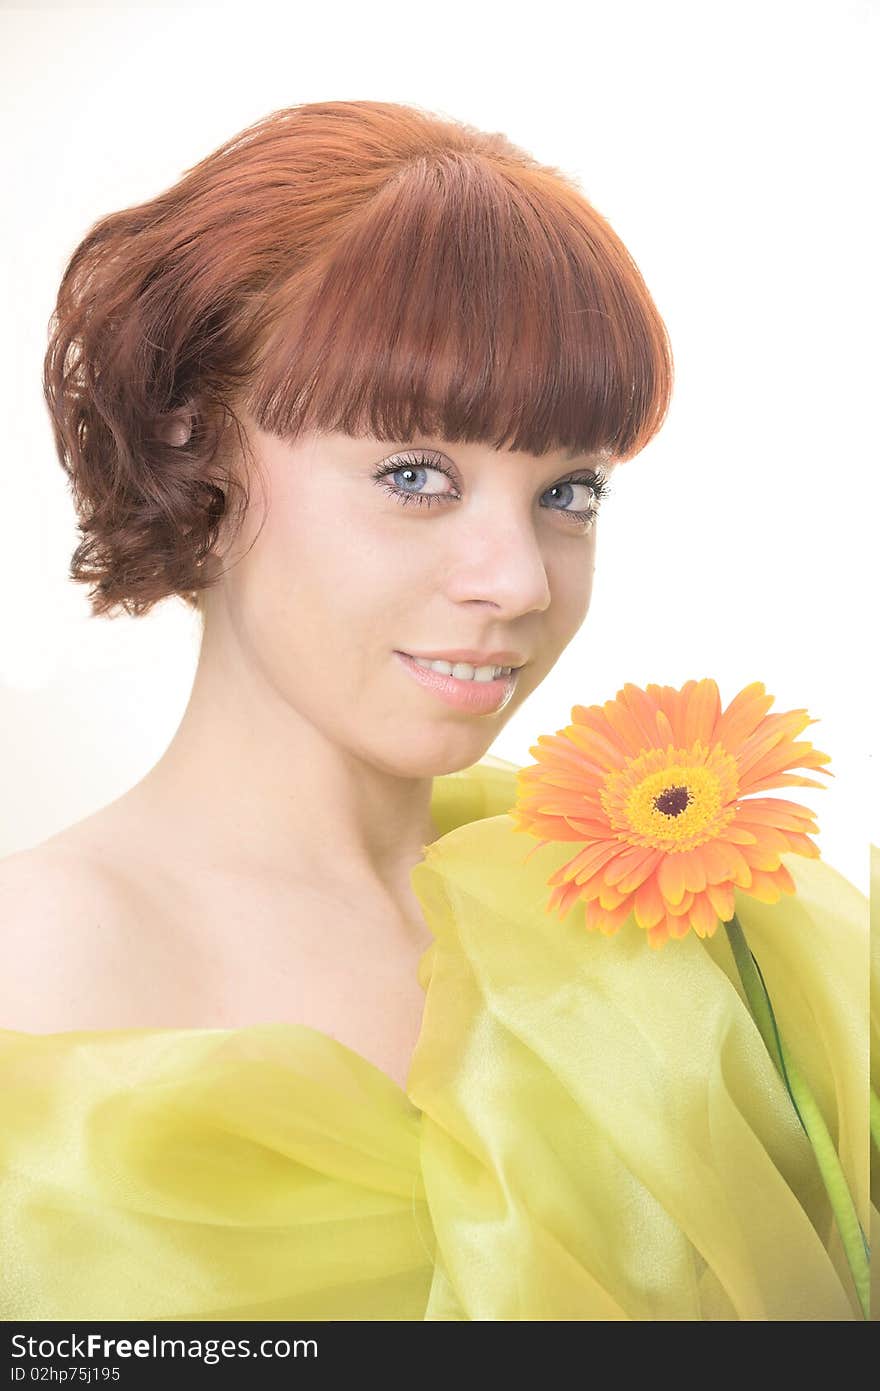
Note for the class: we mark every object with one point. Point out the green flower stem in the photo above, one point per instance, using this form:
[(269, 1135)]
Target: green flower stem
[(808, 1113), (875, 1119)]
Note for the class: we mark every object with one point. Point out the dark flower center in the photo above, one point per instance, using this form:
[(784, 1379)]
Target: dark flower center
[(672, 800)]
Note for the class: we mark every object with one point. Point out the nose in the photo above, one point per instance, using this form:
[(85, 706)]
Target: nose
[(499, 562)]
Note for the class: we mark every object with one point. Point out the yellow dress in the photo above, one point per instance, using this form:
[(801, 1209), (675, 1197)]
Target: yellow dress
[(591, 1129)]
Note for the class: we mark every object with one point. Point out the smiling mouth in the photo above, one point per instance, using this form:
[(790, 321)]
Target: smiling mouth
[(463, 671), (484, 695)]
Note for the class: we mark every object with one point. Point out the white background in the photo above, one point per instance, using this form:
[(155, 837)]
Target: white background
[(731, 146)]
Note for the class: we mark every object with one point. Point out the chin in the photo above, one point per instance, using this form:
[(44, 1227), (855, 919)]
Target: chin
[(433, 754)]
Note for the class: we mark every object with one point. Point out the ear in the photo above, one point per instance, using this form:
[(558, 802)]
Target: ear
[(176, 427)]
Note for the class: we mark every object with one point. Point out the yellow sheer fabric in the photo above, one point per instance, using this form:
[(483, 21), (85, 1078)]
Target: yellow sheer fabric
[(590, 1129)]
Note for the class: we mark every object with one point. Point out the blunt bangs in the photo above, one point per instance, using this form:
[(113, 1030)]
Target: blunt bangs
[(466, 303)]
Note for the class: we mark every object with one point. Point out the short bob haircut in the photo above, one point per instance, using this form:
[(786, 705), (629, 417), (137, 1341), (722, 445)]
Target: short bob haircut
[(354, 266)]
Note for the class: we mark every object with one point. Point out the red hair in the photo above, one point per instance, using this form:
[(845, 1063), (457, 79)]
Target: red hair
[(347, 265)]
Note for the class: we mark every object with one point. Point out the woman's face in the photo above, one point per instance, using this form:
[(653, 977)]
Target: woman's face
[(343, 576)]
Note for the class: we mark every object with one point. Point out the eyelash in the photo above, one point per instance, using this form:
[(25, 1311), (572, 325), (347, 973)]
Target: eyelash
[(597, 481)]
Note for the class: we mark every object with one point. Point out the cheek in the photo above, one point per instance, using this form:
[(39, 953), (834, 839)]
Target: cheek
[(333, 590), (581, 597), (572, 589)]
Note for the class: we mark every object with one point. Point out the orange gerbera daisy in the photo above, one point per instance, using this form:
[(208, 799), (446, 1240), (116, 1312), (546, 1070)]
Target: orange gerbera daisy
[(652, 784)]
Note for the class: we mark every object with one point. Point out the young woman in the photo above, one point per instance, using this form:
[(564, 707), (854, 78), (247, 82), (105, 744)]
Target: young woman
[(283, 1036)]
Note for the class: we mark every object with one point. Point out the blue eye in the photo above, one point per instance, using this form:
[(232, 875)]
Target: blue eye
[(420, 463)]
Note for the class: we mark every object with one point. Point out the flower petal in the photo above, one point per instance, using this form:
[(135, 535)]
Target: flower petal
[(742, 875), (679, 926), (802, 845), (743, 715), (665, 731), (670, 877), (598, 918), (641, 871), (630, 859), (679, 910), (625, 727), (562, 899), (774, 731), (701, 714), (592, 830), (602, 752), (643, 712), (785, 780), (775, 761), (590, 861), (590, 852), (694, 869), (658, 935), (775, 811), (740, 835), (764, 887), (649, 908), (761, 858), (669, 708), (610, 897), (703, 916), (722, 899), (721, 860)]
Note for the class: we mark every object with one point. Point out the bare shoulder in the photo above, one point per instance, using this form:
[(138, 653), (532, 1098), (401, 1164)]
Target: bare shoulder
[(64, 923), (56, 884)]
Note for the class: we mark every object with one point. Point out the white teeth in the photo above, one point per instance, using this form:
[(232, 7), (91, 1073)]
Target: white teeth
[(463, 671)]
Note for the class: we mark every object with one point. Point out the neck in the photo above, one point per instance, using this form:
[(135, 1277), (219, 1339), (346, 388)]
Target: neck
[(248, 782)]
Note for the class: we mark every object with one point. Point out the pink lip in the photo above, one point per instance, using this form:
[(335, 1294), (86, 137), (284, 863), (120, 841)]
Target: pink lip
[(475, 697)]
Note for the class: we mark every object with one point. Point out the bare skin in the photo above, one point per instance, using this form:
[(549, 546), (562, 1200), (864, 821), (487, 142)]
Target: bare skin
[(260, 871)]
